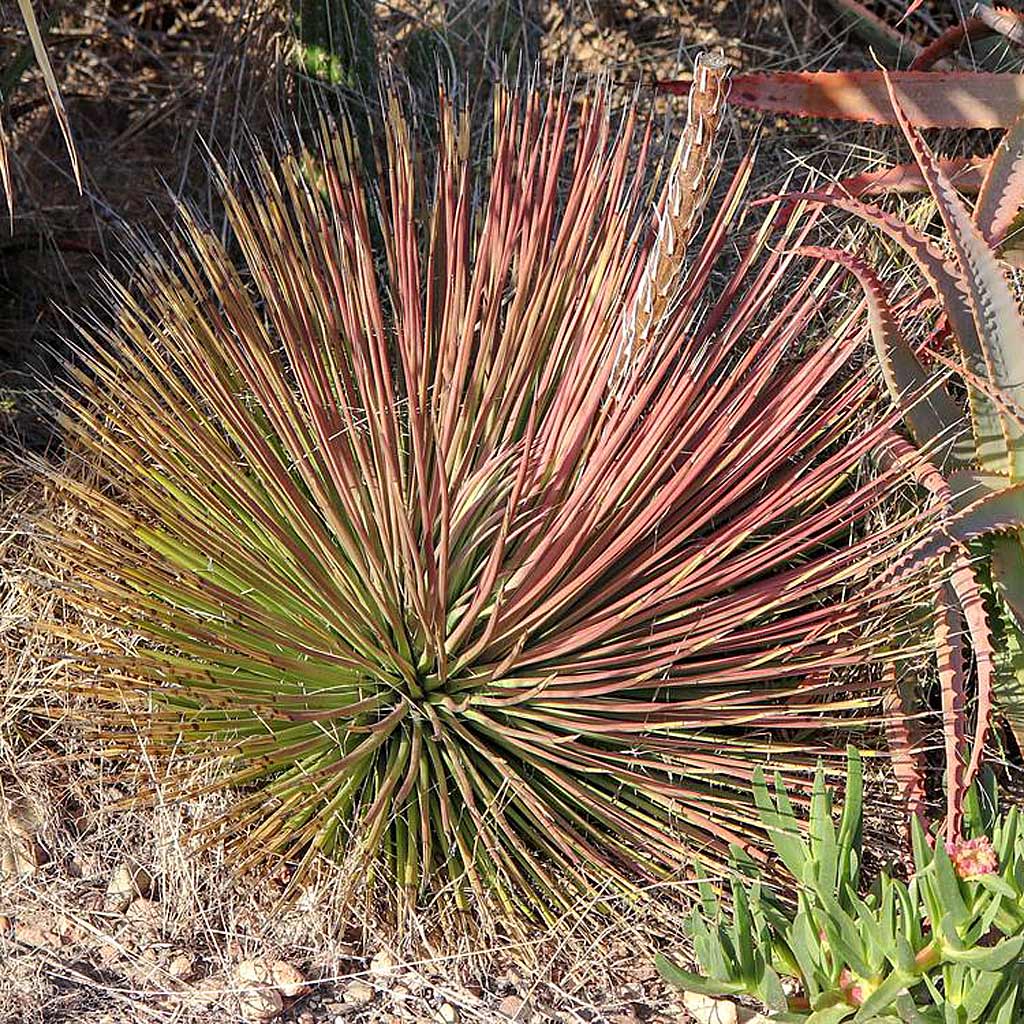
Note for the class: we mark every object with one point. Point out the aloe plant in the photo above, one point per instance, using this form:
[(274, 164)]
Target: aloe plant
[(977, 454), (933, 98), (491, 561), (943, 948)]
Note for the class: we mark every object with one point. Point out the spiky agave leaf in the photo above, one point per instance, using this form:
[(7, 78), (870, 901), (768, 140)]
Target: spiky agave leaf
[(407, 559)]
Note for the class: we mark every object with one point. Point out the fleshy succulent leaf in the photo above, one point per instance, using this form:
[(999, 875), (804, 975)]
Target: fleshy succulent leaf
[(933, 99), (1002, 191), (932, 417), (996, 314), (688, 981)]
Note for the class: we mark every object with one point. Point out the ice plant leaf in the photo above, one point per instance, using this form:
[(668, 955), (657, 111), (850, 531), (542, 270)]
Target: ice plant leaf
[(435, 587), (690, 982), (932, 99)]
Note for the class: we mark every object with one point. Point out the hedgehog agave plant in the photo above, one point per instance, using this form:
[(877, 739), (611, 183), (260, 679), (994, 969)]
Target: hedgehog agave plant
[(490, 560)]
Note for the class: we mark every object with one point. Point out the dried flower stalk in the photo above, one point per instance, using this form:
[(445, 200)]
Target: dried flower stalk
[(682, 201)]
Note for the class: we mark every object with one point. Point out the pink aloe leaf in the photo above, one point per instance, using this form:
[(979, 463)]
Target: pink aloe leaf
[(949, 629), (906, 745), (933, 418), (972, 602), (949, 42), (1002, 191), (945, 280), (932, 99), (995, 310)]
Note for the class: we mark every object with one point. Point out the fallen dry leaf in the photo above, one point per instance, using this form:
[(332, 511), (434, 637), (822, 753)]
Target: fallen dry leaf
[(260, 1004)]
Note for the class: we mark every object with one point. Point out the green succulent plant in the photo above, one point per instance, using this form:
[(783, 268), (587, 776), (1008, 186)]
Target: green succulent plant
[(944, 948), (969, 455), (490, 559)]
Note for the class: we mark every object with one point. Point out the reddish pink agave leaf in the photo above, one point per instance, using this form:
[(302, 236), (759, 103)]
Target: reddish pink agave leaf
[(932, 99)]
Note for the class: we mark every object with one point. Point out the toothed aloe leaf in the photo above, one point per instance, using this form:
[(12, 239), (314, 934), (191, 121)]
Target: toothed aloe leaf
[(1002, 191), (989, 444), (934, 419), (995, 311), (932, 99)]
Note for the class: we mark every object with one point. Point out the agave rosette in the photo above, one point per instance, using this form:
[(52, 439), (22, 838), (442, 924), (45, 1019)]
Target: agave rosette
[(457, 576)]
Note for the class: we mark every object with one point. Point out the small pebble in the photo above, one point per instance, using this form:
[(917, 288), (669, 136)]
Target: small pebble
[(358, 992), (382, 964), (511, 1007)]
